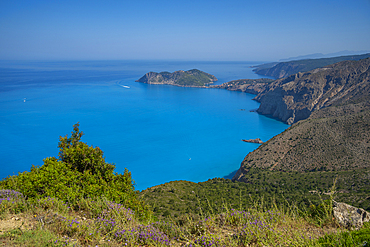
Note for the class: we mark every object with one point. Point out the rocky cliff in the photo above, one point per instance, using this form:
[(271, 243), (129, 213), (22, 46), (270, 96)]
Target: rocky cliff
[(192, 78), (334, 103), (296, 97)]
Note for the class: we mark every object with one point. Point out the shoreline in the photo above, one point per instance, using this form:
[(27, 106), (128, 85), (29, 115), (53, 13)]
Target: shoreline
[(120, 164)]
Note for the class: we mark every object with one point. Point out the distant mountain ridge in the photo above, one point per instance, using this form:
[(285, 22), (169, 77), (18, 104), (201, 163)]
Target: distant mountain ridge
[(190, 78), (285, 69), (321, 55)]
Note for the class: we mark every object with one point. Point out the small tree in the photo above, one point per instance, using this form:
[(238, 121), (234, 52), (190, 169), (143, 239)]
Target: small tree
[(82, 157)]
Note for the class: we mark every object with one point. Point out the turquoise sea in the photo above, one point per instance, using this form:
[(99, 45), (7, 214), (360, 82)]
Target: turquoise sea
[(160, 133)]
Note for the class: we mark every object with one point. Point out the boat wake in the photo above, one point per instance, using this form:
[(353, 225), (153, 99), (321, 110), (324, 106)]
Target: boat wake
[(118, 83)]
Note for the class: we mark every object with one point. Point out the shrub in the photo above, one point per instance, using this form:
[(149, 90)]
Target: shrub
[(81, 172), (348, 238)]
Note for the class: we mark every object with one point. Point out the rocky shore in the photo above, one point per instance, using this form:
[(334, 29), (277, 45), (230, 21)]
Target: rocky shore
[(257, 140)]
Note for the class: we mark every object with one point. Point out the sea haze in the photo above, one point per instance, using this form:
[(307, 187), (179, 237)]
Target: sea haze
[(159, 133)]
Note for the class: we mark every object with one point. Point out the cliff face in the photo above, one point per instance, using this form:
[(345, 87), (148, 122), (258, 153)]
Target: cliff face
[(193, 78), (296, 97), (285, 69), (336, 134)]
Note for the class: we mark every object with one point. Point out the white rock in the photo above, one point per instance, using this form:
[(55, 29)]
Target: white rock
[(349, 216)]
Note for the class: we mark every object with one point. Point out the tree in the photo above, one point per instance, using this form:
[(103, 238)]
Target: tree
[(82, 157)]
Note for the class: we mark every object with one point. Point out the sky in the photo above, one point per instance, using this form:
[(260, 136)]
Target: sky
[(208, 30)]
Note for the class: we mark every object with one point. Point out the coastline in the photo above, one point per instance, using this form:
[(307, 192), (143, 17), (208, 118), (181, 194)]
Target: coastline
[(133, 126)]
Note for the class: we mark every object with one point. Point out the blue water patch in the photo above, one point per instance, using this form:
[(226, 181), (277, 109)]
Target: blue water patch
[(160, 133)]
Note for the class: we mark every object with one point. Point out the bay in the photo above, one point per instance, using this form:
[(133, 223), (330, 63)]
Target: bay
[(160, 133)]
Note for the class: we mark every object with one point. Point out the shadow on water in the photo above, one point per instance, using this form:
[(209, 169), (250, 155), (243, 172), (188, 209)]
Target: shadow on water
[(231, 175)]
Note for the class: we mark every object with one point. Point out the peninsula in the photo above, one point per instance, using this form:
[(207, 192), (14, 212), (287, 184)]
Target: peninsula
[(190, 78)]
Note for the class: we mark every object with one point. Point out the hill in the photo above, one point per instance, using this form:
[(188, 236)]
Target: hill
[(321, 55), (285, 188), (190, 78), (285, 69), (333, 137)]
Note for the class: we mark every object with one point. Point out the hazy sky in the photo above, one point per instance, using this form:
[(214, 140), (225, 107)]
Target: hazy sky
[(259, 30)]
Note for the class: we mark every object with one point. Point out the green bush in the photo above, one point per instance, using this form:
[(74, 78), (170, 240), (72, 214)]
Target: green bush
[(322, 213), (81, 157), (348, 238), (81, 172)]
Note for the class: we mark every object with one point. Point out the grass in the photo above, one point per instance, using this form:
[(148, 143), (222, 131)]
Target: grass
[(104, 223), (348, 238), (304, 190), (37, 237)]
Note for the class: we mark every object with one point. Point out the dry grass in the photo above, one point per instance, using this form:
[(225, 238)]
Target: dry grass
[(50, 222)]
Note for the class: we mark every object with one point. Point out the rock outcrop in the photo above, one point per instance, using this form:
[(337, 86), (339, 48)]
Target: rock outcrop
[(190, 78), (257, 140), (349, 216), (296, 97)]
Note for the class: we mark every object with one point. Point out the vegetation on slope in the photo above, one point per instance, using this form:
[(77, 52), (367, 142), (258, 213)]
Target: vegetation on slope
[(301, 189), (50, 222)]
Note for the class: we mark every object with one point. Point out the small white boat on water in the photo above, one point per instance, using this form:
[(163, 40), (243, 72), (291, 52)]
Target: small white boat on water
[(125, 86)]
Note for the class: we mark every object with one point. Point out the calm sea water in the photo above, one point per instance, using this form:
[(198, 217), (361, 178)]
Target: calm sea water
[(160, 133)]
